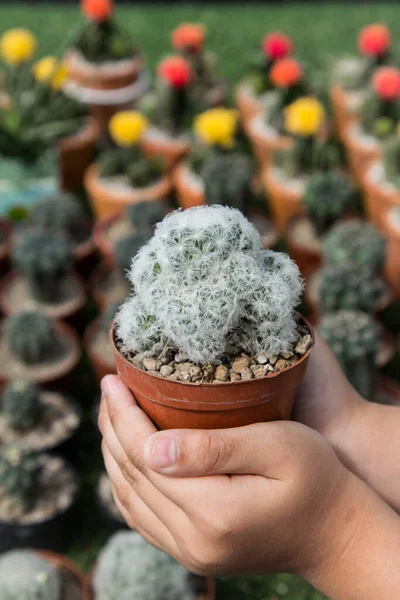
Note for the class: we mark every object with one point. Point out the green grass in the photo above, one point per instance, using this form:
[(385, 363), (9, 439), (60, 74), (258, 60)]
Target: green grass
[(320, 32)]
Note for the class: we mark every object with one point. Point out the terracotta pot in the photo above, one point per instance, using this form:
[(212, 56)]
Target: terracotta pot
[(100, 365), (76, 153), (359, 153), (61, 562), (177, 404), (284, 201), (342, 114), (392, 264), (106, 200), (119, 287), (189, 194), (170, 149), (5, 229), (248, 104), (380, 196), (264, 139), (307, 258), (68, 311), (59, 377)]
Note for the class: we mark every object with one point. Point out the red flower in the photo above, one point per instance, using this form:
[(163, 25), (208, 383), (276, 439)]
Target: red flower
[(97, 10), (386, 83), (176, 70), (374, 40), (285, 72), (276, 45), (188, 37)]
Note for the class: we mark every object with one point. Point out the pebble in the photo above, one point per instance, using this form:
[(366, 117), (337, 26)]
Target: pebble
[(179, 358), (221, 373), (287, 354), (196, 373), (246, 374), (303, 345), (240, 363), (283, 363), (151, 364), (233, 376), (262, 358), (272, 360), (208, 373), (184, 376), (260, 370), (166, 370)]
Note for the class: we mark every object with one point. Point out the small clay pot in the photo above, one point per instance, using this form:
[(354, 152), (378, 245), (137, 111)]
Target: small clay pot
[(284, 201), (188, 191), (57, 377), (176, 404), (247, 102), (307, 257), (5, 231), (64, 564), (392, 264), (68, 311), (171, 150), (343, 116), (379, 195), (100, 364), (76, 153), (107, 285), (265, 140), (360, 154), (107, 200)]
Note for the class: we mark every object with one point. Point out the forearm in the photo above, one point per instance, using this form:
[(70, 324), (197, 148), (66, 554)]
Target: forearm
[(364, 549)]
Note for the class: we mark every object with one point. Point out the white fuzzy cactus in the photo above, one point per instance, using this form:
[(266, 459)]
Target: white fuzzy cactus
[(24, 575), (129, 568), (204, 285)]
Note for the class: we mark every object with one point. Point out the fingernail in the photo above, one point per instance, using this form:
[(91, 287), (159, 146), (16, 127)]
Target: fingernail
[(164, 452)]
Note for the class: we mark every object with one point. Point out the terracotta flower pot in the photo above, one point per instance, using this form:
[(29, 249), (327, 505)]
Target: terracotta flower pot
[(307, 257), (284, 199), (109, 199), (264, 139), (5, 236), (176, 404), (98, 358), (361, 150), (344, 112), (247, 102), (107, 285), (76, 153), (64, 564), (189, 188), (380, 196), (392, 264), (158, 144)]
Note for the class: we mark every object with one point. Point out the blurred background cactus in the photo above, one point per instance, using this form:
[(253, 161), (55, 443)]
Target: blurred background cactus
[(62, 212), (20, 472), (391, 160), (30, 337), (145, 215), (24, 575), (20, 402), (127, 248), (227, 180)]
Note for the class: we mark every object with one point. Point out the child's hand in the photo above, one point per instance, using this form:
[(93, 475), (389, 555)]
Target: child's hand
[(266, 497)]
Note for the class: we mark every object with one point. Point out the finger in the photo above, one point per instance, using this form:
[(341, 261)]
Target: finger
[(265, 449)]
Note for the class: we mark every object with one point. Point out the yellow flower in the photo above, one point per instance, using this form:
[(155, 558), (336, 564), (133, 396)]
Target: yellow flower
[(304, 116), (17, 46), (127, 127), (217, 126), (50, 70)]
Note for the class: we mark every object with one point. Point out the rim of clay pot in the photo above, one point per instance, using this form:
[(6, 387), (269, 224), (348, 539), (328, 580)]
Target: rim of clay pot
[(107, 75), (76, 306), (89, 132), (392, 230), (68, 565), (6, 227), (129, 365)]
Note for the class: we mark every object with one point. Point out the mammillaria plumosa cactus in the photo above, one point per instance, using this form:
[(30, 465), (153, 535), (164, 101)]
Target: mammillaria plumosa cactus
[(128, 567), (328, 196), (24, 575), (44, 259), (19, 478), (30, 336), (204, 285), (357, 242), (353, 337), (20, 401), (348, 286)]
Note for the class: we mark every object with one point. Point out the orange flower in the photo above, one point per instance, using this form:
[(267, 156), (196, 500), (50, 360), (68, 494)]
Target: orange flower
[(374, 40), (285, 72), (276, 45), (188, 37), (386, 83), (97, 10), (175, 70)]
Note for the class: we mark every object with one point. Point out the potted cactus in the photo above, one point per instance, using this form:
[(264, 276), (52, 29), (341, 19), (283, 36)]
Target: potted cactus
[(42, 576), (351, 75), (97, 342), (379, 115), (37, 419), (328, 197), (140, 217), (42, 279), (37, 492), (123, 175), (392, 266), (170, 108), (34, 348), (130, 567), (109, 510), (208, 89), (105, 69), (222, 332), (252, 91), (5, 242)]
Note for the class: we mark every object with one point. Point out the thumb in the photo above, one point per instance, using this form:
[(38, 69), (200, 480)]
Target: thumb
[(261, 449)]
